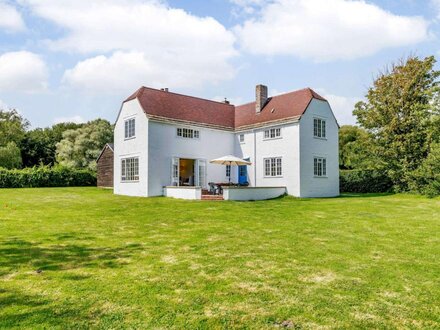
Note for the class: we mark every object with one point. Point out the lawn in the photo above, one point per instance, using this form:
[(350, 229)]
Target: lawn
[(84, 258)]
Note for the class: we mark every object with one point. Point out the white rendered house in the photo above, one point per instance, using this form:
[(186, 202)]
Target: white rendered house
[(163, 139)]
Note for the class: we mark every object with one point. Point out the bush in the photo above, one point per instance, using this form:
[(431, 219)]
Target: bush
[(45, 176), (364, 181)]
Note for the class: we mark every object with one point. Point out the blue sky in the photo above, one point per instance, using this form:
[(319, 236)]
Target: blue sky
[(77, 60)]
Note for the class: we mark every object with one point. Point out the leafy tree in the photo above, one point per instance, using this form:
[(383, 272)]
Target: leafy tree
[(80, 147), (39, 145), (12, 127), (426, 179), (10, 156), (354, 148), (401, 114)]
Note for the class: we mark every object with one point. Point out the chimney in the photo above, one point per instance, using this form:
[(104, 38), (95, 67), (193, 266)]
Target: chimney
[(164, 89), (260, 97), (226, 101)]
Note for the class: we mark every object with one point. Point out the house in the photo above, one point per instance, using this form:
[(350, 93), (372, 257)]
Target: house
[(105, 164), (164, 141)]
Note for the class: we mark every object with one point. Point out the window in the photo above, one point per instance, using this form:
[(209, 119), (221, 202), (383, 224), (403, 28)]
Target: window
[(241, 138), (130, 128), (273, 167), (319, 128), (130, 169), (188, 133), (272, 133), (228, 170), (319, 166)]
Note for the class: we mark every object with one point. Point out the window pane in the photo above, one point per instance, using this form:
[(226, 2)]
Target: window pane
[(267, 167), (324, 167), (323, 128), (279, 172)]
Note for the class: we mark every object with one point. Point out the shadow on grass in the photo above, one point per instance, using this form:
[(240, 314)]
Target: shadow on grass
[(16, 253), (363, 195), (22, 310)]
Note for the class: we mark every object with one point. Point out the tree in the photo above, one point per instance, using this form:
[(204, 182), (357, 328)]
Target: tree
[(354, 148), (39, 145), (426, 179), (12, 127), (10, 156), (400, 114), (80, 147)]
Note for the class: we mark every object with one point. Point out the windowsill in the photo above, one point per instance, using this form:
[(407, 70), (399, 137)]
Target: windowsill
[(128, 181), (273, 177), (320, 138), (187, 138), (130, 138), (320, 177), (242, 142), (275, 138)]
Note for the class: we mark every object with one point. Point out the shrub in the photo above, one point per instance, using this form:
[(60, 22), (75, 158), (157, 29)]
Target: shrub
[(10, 156), (364, 181), (45, 176)]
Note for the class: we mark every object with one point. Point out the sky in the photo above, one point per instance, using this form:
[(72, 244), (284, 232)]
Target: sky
[(77, 60)]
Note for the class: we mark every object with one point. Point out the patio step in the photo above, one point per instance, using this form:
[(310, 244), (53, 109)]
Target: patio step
[(212, 197)]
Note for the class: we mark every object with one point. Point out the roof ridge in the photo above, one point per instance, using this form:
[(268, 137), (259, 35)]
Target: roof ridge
[(194, 97), (285, 93)]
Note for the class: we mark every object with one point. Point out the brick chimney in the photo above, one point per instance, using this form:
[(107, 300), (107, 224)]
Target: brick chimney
[(260, 97)]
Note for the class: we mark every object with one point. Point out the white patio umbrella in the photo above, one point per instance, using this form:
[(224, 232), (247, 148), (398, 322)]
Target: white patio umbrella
[(230, 160)]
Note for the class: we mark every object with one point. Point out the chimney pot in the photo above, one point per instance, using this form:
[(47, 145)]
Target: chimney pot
[(226, 101), (260, 97)]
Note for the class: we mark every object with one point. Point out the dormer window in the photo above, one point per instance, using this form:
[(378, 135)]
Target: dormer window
[(130, 128)]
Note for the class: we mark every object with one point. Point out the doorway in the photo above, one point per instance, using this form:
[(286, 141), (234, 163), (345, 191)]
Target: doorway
[(186, 172)]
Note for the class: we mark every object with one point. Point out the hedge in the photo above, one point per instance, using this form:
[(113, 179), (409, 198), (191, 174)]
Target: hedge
[(45, 176), (364, 181)]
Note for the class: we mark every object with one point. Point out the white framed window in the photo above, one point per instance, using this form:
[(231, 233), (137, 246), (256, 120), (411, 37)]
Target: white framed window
[(228, 171), (241, 138), (188, 133), (319, 166), (130, 169), (272, 133), (273, 167), (319, 128), (130, 128)]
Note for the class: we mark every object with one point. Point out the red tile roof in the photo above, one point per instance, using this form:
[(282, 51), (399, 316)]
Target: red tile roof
[(284, 106), (170, 105), (182, 107)]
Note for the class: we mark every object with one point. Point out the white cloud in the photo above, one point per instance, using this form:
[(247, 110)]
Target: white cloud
[(436, 5), (74, 119), (138, 42), (246, 7), (125, 71), (10, 18), (22, 72), (326, 30), (342, 106)]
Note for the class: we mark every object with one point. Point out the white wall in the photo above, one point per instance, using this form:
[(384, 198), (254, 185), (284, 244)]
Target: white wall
[(310, 146), (135, 147), (286, 147), (252, 193), (183, 192), (164, 144)]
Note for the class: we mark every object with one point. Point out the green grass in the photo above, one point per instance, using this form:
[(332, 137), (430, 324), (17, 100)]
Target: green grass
[(360, 261)]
